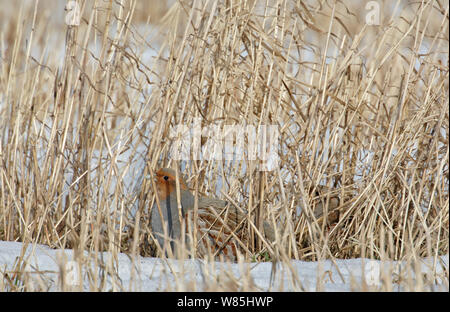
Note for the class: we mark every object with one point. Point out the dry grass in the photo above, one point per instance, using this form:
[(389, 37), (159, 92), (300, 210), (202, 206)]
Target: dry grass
[(362, 112)]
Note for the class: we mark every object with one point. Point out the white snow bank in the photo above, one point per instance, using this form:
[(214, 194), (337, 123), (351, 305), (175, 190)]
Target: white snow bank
[(153, 274)]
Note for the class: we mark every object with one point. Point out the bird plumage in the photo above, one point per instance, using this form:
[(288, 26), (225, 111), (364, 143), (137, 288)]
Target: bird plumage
[(218, 224)]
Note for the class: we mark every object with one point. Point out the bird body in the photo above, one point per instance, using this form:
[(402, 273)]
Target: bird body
[(218, 224), (166, 190), (325, 199)]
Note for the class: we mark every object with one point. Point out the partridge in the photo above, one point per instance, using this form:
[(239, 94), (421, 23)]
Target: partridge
[(323, 196), (219, 225)]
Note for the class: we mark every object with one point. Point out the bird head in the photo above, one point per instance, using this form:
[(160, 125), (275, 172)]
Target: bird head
[(166, 183)]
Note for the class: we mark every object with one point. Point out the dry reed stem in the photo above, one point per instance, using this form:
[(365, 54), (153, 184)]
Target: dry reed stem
[(86, 114)]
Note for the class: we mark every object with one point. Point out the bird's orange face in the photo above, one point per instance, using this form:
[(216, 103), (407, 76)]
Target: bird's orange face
[(166, 183)]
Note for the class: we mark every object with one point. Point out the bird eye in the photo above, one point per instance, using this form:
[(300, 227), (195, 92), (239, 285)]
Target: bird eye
[(166, 178)]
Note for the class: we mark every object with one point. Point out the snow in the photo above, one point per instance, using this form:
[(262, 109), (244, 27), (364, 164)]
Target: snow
[(154, 274)]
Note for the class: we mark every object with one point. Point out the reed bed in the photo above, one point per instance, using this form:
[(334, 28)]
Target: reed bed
[(362, 112)]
